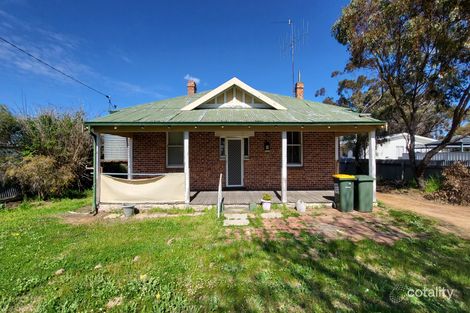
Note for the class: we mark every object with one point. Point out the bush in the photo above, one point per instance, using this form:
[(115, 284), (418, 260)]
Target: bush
[(52, 151), (41, 176), (62, 137), (454, 188), (267, 197)]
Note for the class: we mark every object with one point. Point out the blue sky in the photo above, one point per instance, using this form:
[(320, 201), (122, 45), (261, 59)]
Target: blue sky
[(140, 51)]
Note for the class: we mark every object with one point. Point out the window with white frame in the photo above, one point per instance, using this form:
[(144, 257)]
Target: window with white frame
[(294, 148), (174, 149)]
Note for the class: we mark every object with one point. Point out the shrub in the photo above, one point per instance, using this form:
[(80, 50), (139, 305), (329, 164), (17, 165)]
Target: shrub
[(60, 136), (454, 188), (267, 197), (52, 151), (41, 176)]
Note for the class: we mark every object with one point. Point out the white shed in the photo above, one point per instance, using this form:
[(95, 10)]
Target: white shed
[(393, 147)]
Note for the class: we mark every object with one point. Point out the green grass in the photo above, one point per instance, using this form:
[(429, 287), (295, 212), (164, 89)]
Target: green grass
[(187, 265), (432, 184)]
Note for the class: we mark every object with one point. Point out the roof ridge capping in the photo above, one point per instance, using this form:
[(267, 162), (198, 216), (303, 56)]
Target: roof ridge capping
[(231, 82)]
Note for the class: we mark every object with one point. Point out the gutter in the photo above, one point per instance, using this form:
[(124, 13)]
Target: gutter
[(94, 206), (335, 123)]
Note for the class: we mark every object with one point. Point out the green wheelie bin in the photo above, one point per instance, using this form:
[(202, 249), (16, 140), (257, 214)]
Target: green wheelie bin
[(363, 198), (344, 192)]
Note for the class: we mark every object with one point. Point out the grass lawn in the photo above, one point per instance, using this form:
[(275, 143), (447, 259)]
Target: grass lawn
[(187, 263)]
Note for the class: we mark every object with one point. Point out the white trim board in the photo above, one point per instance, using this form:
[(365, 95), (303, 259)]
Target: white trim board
[(233, 82)]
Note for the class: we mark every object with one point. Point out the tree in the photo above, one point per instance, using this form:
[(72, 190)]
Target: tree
[(9, 127), (419, 51), (364, 95)]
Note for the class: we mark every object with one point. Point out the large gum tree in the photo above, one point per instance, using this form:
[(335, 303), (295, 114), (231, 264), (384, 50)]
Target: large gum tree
[(420, 52)]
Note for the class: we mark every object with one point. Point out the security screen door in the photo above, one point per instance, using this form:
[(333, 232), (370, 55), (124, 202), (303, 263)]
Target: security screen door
[(234, 163)]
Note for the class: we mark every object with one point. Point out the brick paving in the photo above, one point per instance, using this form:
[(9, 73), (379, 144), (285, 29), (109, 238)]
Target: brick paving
[(329, 224)]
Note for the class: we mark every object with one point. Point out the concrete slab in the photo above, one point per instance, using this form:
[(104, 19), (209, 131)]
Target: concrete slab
[(235, 216), (241, 222), (271, 215)]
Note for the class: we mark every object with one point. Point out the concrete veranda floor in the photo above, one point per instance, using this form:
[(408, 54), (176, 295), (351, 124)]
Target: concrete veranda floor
[(245, 197)]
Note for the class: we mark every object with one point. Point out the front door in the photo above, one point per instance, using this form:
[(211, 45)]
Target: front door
[(234, 163)]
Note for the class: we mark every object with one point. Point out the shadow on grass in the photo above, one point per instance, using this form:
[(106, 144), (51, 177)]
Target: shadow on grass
[(310, 274)]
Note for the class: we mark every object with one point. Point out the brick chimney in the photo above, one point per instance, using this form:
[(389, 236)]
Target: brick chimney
[(192, 88), (299, 90)]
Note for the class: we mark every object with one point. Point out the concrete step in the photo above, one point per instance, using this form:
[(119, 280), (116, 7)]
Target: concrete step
[(235, 216), (271, 215), (240, 222), (236, 210)]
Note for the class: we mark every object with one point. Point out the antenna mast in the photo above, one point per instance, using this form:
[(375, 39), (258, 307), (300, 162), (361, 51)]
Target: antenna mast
[(295, 38), (292, 50)]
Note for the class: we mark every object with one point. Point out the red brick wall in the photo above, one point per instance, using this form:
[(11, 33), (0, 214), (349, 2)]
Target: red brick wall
[(262, 171), (150, 153), (318, 163), (205, 165)]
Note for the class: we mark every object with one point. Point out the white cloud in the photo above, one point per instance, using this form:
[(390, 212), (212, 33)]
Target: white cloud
[(60, 51), (189, 77), (136, 89)]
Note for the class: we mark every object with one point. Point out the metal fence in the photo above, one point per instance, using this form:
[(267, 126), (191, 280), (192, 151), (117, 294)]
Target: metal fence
[(394, 169), (9, 193), (444, 156)]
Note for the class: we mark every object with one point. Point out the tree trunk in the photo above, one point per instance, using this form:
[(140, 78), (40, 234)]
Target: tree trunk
[(417, 169)]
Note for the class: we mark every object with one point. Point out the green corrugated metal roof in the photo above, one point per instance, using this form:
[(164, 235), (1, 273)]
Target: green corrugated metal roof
[(168, 112)]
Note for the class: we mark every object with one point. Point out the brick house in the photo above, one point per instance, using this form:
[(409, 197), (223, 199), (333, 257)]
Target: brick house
[(234, 136)]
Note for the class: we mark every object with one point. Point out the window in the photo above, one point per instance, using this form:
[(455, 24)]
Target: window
[(174, 150), (222, 148), (294, 148), (246, 148)]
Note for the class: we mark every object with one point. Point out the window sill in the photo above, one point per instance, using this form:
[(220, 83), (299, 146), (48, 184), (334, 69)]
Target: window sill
[(175, 166), (295, 165)]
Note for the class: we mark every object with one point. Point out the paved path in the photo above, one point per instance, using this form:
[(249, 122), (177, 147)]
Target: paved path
[(452, 218)]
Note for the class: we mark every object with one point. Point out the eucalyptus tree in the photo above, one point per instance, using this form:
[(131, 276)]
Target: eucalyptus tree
[(420, 53)]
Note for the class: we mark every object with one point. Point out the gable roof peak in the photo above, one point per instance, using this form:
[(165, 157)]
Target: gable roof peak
[(234, 81)]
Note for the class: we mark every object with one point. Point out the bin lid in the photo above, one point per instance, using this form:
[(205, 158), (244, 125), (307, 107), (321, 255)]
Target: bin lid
[(364, 178), (344, 177)]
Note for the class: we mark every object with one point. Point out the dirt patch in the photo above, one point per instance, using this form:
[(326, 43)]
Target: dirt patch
[(83, 217), (76, 218), (451, 218), (327, 223)]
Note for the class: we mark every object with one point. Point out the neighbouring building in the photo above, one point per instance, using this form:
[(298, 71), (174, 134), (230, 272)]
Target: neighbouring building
[(393, 147)]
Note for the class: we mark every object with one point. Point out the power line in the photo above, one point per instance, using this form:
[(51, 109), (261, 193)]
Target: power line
[(59, 71)]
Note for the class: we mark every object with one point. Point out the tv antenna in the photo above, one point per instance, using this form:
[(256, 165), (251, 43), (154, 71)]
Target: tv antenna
[(296, 38)]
